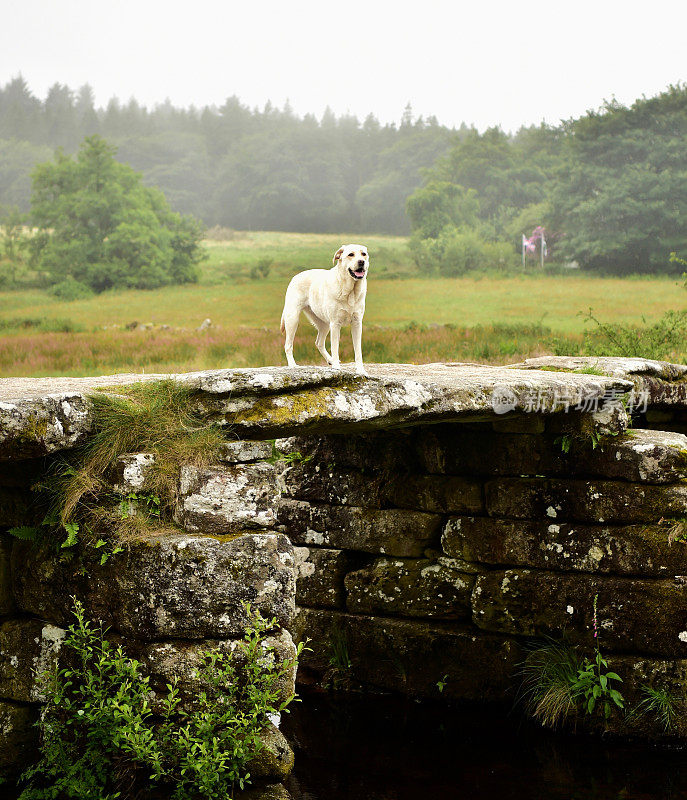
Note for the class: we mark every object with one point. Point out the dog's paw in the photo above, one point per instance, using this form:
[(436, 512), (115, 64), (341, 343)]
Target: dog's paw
[(361, 371)]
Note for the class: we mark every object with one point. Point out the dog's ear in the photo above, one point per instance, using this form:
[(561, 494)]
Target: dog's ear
[(337, 255)]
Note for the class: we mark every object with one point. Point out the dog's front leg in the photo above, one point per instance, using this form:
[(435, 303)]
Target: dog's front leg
[(334, 332), (357, 334)]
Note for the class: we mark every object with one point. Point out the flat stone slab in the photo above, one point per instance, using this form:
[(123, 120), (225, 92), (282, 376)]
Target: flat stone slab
[(664, 383), (391, 531), (39, 416), (580, 500), (184, 586), (439, 588), (320, 576), (645, 616), (644, 550), (409, 656)]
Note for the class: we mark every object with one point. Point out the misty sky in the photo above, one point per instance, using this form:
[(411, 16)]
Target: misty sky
[(481, 62)]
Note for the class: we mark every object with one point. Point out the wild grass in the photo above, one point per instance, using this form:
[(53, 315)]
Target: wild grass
[(489, 317), (156, 418), (161, 351), (659, 704), (548, 674)]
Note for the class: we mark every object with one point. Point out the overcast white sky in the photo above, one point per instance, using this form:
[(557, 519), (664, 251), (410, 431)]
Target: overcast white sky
[(483, 62)]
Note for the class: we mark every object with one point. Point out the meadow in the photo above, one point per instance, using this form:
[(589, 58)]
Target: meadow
[(489, 317)]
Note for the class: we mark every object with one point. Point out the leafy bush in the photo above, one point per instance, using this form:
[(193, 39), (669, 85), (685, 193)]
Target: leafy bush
[(664, 339), (70, 289), (456, 251), (262, 268), (100, 739), (99, 226)]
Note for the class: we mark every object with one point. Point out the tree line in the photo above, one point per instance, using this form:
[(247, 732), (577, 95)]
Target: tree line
[(609, 188), (233, 166)]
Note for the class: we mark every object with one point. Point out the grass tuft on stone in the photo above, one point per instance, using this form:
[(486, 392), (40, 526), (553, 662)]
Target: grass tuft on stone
[(159, 418), (548, 675)]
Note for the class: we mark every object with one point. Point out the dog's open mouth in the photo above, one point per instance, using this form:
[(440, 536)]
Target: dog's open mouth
[(357, 273)]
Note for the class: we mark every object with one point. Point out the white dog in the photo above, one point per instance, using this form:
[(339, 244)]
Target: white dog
[(330, 298)]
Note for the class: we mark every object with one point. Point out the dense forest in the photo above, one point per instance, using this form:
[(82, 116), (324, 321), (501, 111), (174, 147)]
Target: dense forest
[(609, 189), (260, 169)]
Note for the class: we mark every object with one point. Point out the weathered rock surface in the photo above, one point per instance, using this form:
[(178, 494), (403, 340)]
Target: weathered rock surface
[(642, 456), (226, 499), (665, 383), (27, 648), (192, 587), (438, 587), (263, 791), (629, 549), (163, 661), (320, 576), (408, 656), (6, 598), (39, 416), (244, 450), (131, 471), (437, 493), (394, 532), (275, 759), (325, 483), (32, 425), (634, 615), (584, 501), (18, 737)]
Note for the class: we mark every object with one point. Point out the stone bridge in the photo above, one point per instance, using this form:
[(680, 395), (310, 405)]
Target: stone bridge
[(420, 526)]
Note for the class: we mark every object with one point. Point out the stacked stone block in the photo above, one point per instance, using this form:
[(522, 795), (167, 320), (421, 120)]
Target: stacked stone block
[(431, 555), (166, 598)]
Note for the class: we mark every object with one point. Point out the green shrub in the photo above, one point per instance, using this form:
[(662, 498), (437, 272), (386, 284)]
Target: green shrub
[(664, 339), (456, 251), (100, 739), (70, 289), (100, 226)]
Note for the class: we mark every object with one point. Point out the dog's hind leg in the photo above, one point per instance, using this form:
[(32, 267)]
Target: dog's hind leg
[(322, 331)]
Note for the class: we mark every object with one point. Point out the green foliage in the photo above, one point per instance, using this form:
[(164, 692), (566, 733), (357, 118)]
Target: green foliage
[(456, 251), (262, 268), (548, 674), (660, 705), (157, 417), (100, 738), (664, 339), (594, 685), (70, 289), (622, 201), (100, 227), (25, 532), (557, 686), (293, 457), (13, 245)]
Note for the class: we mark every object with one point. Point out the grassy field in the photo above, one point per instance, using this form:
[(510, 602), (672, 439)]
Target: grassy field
[(495, 318)]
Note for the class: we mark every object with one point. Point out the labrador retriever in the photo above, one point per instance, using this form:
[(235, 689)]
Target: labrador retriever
[(330, 298)]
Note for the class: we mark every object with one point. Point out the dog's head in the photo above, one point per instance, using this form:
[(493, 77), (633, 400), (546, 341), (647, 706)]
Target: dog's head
[(354, 259)]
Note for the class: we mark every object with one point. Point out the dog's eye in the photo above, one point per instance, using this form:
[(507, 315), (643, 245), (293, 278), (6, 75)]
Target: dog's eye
[(350, 255)]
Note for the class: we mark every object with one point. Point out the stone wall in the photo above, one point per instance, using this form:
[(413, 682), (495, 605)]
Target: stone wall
[(166, 598), (433, 555), (437, 518)]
